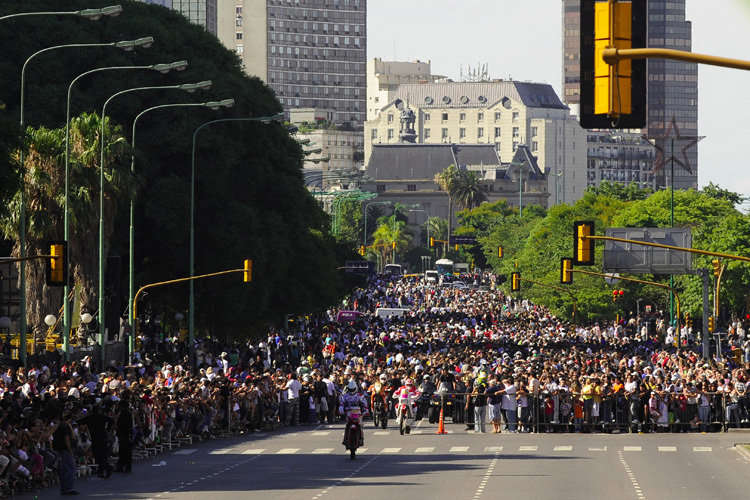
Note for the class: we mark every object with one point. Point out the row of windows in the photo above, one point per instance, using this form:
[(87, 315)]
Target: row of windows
[(445, 116), (670, 42), (322, 14), (323, 27), (676, 78), (679, 113), (314, 39), (322, 3), (680, 18), (666, 6), (302, 90)]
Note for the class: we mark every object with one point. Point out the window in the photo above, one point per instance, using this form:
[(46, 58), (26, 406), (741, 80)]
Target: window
[(462, 117), (444, 133), (480, 133), (497, 117), (445, 117), (515, 116), (426, 133), (534, 132), (534, 145), (427, 117), (516, 132), (515, 145), (462, 133), (497, 131), (374, 134), (238, 35), (390, 133), (411, 187), (390, 117), (381, 188), (480, 117)]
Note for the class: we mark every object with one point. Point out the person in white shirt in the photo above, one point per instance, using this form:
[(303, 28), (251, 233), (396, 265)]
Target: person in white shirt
[(292, 388)]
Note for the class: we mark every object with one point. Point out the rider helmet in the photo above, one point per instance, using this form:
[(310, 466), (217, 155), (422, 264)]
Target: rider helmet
[(351, 387), (426, 377), (383, 377), (409, 382)]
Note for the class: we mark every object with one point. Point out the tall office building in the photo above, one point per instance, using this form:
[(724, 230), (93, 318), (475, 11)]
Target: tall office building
[(672, 85), (312, 53)]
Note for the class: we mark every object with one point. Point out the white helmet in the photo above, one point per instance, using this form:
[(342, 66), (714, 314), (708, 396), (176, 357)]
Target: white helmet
[(351, 387), (409, 382), (383, 377)]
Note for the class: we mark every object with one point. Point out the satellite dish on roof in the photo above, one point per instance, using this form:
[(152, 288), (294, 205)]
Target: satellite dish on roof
[(399, 104), (506, 102)]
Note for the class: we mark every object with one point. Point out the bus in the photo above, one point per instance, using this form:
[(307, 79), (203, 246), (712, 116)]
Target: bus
[(444, 267), (393, 269)]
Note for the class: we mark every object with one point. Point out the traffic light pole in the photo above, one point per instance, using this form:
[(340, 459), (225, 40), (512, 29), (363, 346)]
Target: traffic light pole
[(612, 55)]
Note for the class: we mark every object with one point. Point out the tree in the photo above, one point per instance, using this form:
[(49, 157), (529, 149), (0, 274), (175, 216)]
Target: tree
[(446, 181), (469, 190), (714, 191), (390, 230), (624, 192)]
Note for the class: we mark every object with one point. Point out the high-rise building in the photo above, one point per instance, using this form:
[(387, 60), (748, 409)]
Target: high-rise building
[(672, 85), (312, 53)]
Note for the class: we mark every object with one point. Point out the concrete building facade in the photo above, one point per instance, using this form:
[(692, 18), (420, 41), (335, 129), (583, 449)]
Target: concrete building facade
[(672, 85), (385, 77), (504, 114)]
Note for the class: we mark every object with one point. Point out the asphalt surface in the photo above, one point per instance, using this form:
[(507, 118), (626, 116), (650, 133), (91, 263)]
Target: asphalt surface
[(309, 462)]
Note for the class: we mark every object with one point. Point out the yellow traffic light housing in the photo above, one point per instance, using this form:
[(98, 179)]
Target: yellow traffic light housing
[(515, 282), (612, 95), (566, 271), (57, 264), (248, 271), (716, 263), (393, 244), (583, 247), (432, 242), (711, 324), (362, 250), (500, 252)]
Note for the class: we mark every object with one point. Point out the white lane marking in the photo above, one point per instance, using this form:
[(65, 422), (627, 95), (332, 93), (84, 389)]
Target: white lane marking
[(415, 432), (592, 448), (667, 448), (322, 451), (563, 448), (487, 475), (287, 451), (254, 451), (632, 448), (219, 452), (631, 476), (321, 433), (493, 448), (347, 478), (381, 433), (186, 451), (390, 450), (425, 450), (459, 448), (528, 448), (702, 448)]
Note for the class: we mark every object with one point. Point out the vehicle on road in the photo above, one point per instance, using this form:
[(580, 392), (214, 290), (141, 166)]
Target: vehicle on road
[(393, 269), (385, 312), (354, 430), (444, 267)]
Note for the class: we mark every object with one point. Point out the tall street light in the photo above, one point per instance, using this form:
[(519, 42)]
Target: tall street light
[(92, 14), (125, 45), (191, 310), (131, 294)]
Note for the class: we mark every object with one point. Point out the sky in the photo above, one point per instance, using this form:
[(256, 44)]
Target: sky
[(522, 39)]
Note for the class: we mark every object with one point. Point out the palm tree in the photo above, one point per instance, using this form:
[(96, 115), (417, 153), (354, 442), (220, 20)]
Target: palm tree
[(45, 202), (469, 190), (389, 231), (446, 181), (374, 212)]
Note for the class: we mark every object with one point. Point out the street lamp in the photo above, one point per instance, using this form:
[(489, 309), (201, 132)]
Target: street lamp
[(191, 309), (92, 14), (427, 223), (126, 45), (519, 178), (226, 103)]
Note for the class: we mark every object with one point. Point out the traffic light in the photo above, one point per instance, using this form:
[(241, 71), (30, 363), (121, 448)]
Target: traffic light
[(515, 282), (362, 250), (710, 324), (617, 294), (583, 247), (612, 96), (394, 245), (248, 271), (432, 242), (716, 263), (57, 264), (566, 271), (500, 252)]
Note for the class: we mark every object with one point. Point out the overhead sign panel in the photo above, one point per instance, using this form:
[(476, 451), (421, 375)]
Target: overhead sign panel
[(633, 258)]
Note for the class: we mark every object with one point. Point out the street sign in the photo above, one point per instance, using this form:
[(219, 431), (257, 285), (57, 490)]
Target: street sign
[(640, 259), (611, 279), (462, 240)]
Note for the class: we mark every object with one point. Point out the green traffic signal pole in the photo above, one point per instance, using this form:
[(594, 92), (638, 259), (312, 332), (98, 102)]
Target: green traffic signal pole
[(131, 279)]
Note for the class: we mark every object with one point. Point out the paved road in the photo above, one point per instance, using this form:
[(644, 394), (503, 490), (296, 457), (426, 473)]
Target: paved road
[(310, 463)]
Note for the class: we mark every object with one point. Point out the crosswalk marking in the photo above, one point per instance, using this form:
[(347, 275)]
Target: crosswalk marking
[(415, 432), (287, 451), (321, 433), (381, 433), (425, 450), (593, 448), (632, 448), (563, 448), (702, 448), (219, 452), (493, 448), (322, 451), (459, 448), (391, 450), (667, 448), (254, 451), (186, 451), (528, 448)]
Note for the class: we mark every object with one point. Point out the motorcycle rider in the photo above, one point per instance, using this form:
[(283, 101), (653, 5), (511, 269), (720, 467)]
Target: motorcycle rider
[(352, 398), (378, 390), (426, 390), (407, 395)]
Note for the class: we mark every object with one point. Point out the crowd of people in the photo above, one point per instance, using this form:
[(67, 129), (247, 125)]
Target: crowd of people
[(495, 358)]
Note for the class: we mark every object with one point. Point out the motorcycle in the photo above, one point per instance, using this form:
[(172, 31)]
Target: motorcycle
[(379, 410), (404, 415), (438, 401), (353, 434)]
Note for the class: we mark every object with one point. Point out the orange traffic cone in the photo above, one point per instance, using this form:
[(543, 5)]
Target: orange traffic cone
[(441, 425)]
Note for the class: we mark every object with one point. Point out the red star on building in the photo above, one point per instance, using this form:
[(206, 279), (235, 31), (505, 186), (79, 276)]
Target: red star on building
[(664, 142)]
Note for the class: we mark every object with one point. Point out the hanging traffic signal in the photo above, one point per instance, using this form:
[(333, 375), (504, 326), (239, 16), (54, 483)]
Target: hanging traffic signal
[(362, 250), (57, 264), (515, 282), (716, 263), (612, 96), (248, 271), (566, 271), (583, 247), (614, 295), (500, 252), (432, 242), (710, 324), (394, 245)]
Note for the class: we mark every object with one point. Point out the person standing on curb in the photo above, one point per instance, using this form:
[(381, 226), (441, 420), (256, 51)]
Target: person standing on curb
[(125, 437), (63, 442), (98, 425)]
